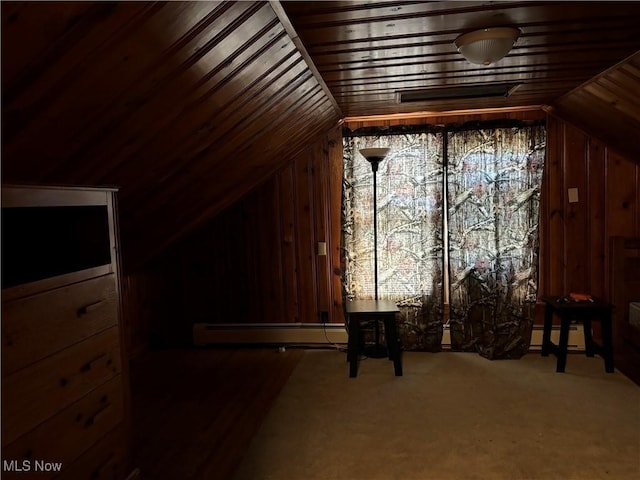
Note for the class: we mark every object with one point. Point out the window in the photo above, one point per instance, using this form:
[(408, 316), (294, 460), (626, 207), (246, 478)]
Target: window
[(488, 183)]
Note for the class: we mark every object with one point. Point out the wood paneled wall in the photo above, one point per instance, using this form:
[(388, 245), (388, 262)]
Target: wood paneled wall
[(186, 106), (575, 237), (257, 261)]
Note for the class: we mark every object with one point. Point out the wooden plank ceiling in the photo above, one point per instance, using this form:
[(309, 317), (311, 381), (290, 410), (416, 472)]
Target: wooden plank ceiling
[(367, 51), (608, 106), (184, 105), (187, 106)]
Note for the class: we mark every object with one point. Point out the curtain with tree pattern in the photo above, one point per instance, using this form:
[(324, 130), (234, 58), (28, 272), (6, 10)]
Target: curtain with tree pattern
[(494, 178), (410, 191)]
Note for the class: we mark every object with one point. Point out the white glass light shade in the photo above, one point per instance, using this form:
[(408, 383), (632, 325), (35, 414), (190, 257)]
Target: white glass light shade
[(488, 45)]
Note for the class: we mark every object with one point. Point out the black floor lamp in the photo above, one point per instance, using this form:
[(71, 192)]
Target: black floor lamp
[(375, 156)]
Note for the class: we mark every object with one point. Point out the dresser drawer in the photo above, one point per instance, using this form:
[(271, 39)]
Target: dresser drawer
[(37, 326), (106, 460), (64, 437), (37, 392)]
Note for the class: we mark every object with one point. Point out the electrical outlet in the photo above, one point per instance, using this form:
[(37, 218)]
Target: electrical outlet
[(324, 317)]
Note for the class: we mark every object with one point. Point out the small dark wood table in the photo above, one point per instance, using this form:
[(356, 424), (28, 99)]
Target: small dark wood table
[(584, 312), (367, 310)]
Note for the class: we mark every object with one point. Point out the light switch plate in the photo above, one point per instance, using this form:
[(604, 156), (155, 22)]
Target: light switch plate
[(573, 195), (322, 248)]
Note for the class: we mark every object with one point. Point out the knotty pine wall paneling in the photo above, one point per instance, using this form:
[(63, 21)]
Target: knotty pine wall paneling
[(256, 262), (305, 236), (574, 175), (287, 235), (576, 237), (335, 157)]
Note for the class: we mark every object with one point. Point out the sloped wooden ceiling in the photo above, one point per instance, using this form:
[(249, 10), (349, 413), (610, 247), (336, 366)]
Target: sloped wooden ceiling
[(608, 106), (184, 105), (367, 51), (189, 105)]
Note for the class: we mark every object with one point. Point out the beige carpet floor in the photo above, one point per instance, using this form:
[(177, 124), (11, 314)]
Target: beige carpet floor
[(451, 416)]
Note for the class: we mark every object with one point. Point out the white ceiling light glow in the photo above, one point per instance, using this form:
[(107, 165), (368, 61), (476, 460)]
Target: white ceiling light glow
[(486, 46)]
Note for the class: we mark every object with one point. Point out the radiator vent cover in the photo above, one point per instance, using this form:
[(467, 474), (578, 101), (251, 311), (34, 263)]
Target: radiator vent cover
[(459, 92)]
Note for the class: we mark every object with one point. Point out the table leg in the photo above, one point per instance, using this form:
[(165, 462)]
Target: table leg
[(395, 352), (565, 323), (588, 337), (546, 333), (353, 346), (388, 336), (607, 342)]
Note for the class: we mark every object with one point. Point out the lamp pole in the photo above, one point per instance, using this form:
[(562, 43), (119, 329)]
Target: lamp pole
[(374, 156), (374, 168)]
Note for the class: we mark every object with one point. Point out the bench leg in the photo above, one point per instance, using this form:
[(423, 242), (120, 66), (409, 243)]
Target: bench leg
[(563, 345), (607, 343), (588, 338), (546, 333)]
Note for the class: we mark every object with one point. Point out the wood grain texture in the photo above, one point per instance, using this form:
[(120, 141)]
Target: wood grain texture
[(275, 276), (256, 262), (185, 105), (65, 376), (188, 106), (63, 316), (368, 51), (34, 393), (607, 106), (575, 244)]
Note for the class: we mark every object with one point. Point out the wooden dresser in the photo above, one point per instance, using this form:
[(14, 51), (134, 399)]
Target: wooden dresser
[(65, 387)]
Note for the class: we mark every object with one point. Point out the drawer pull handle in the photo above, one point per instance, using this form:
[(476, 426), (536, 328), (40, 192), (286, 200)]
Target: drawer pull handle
[(96, 416), (89, 308), (95, 475), (87, 366)]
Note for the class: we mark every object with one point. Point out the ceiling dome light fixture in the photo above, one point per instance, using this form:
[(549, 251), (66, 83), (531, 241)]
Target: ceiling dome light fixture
[(486, 46)]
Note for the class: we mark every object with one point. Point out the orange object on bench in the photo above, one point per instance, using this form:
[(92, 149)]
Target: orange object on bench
[(580, 297)]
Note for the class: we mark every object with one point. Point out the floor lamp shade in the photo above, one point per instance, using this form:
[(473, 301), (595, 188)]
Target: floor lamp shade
[(375, 156)]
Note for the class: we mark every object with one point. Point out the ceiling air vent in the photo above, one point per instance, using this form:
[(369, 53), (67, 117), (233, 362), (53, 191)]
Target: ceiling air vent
[(457, 93)]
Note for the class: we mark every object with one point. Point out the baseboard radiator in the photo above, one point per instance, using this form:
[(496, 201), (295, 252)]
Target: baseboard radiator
[(317, 334)]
